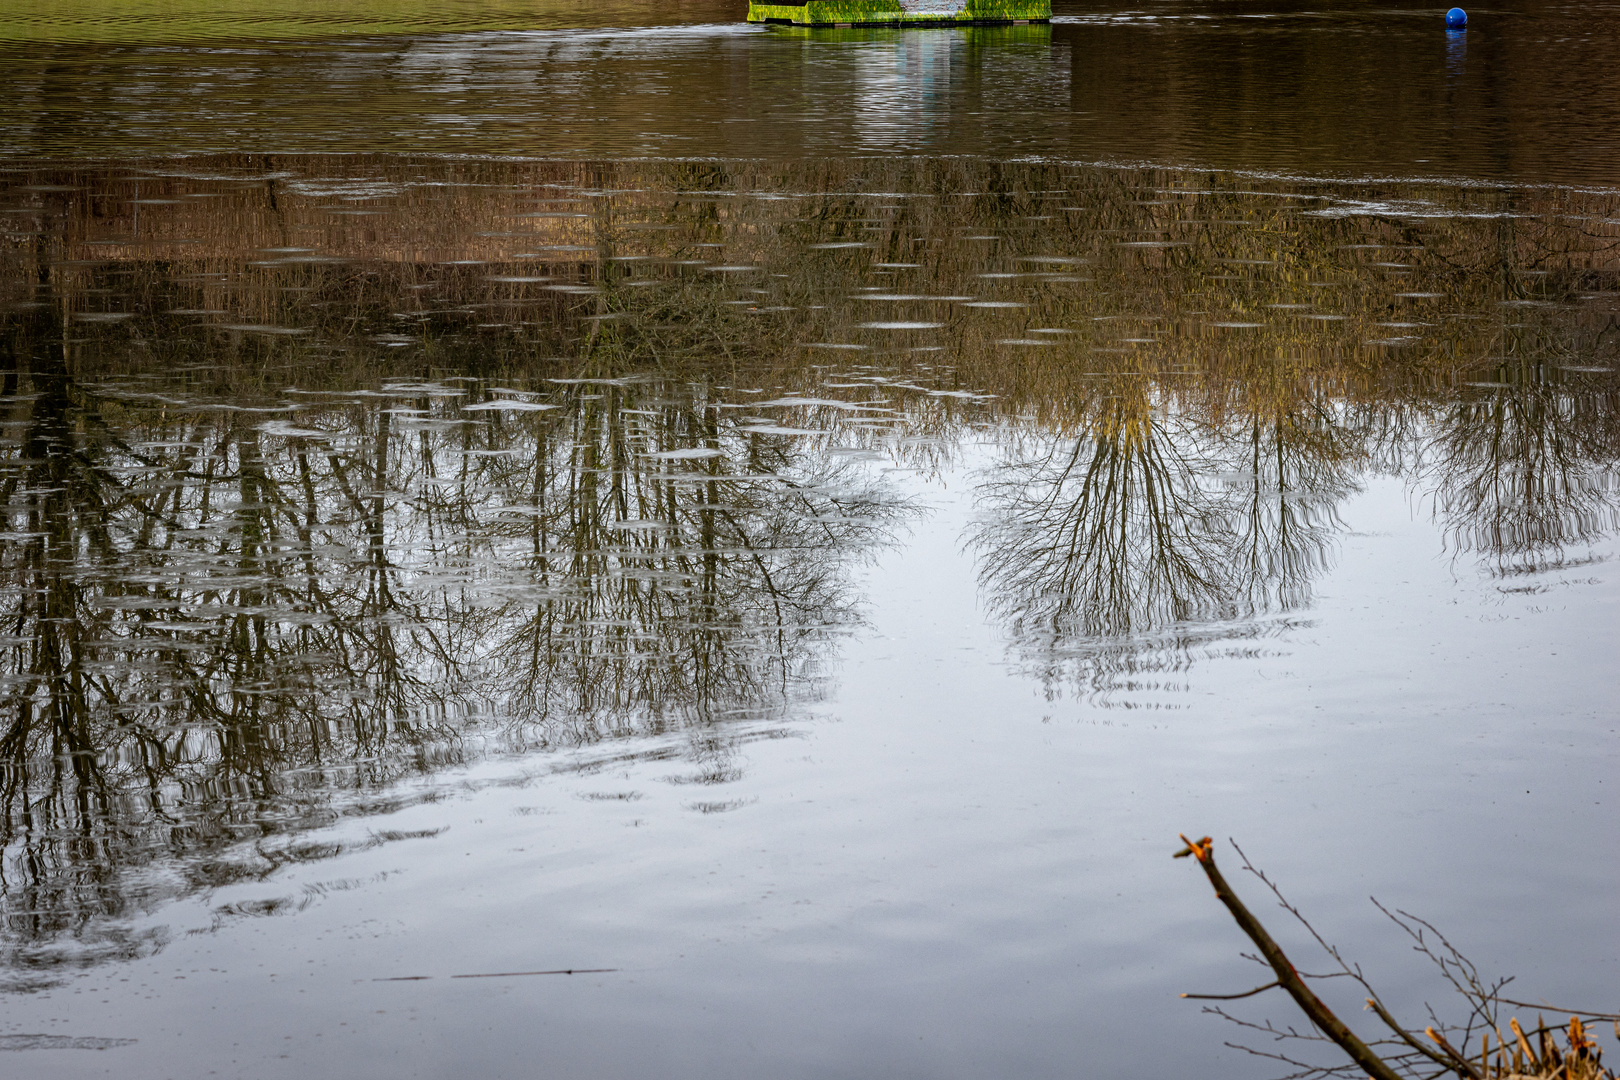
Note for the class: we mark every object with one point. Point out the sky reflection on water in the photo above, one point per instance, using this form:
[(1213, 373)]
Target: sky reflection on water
[(817, 592)]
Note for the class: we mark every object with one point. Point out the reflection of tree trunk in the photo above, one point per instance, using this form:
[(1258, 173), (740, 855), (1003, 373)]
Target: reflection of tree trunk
[(388, 670), (247, 644), (256, 531), (66, 512)]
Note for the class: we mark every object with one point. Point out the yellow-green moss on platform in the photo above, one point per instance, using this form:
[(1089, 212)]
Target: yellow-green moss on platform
[(890, 13)]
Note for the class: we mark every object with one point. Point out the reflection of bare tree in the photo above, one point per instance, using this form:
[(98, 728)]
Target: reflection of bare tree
[(224, 623), (1107, 534), (646, 558), (1288, 471), (1101, 548), (1524, 466), (230, 609)]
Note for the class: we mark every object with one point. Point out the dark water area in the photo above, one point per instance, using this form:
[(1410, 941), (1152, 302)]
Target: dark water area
[(1341, 90), (789, 527)]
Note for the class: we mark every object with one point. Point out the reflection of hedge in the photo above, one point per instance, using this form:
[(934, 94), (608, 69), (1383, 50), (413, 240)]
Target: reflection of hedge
[(889, 12), (1010, 9)]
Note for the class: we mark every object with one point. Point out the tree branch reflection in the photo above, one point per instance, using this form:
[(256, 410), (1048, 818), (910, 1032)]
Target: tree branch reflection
[(1109, 550), (1522, 466), (230, 622)]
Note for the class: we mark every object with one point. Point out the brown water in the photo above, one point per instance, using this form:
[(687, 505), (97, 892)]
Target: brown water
[(810, 586), (1339, 90)]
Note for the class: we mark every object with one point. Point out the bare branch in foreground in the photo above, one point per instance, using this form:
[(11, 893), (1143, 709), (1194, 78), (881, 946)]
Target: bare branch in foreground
[(1320, 1015), (1525, 1055)]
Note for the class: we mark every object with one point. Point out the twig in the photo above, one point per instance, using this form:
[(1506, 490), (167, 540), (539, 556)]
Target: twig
[(1452, 1051), (1233, 997), (1320, 1015), (1451, 1060), (1457, 1062), (1555, 1008)]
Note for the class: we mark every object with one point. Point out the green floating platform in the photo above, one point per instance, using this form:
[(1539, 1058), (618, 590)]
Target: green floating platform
[(853, 13)]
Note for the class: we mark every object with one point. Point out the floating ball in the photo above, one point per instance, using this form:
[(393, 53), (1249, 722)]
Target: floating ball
[(1456, 19)]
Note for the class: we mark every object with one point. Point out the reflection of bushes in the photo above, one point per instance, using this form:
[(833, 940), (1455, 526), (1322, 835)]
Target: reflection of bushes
[(1218, 252)]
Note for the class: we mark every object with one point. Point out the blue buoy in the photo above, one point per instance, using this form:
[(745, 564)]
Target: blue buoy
[(1456, 19)]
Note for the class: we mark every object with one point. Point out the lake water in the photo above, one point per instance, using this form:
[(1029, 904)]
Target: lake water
[(789, 526)]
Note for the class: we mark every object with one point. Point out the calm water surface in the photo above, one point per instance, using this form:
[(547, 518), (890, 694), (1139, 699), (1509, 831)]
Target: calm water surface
[(1341, 89), (814, 583)]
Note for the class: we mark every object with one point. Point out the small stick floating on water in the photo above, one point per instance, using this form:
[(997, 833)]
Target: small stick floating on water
[(513, 974), (501, 974)]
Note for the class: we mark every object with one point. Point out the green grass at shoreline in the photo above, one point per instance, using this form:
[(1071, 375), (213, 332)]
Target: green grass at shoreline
[(158, 22)]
